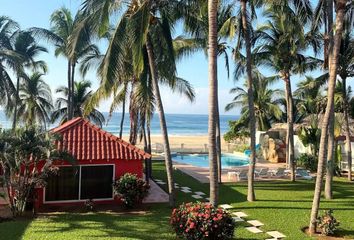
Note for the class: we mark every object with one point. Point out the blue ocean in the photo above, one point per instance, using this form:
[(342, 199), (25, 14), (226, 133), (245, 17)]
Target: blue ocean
[(177, 124)]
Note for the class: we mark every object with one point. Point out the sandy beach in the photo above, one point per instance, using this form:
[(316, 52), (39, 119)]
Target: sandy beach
[(178, 141)]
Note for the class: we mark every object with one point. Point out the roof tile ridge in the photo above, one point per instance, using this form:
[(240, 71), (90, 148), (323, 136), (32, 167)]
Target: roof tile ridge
[(65, 126)]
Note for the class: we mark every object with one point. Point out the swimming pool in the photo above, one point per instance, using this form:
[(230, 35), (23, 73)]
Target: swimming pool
[(202, 160)]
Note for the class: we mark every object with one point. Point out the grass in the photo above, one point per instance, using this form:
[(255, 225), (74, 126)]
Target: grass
[(280, 205)]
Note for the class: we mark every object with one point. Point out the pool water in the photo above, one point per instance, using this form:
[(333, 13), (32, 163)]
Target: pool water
[(202, 160)]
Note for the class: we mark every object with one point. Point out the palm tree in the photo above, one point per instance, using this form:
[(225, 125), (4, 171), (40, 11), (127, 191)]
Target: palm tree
[(333, 68), (35, 103), (195, 17), (7, 29), (246, 34), (82, 94), (266, 105), (144, 31), (63, 27), (244, 65), (285, 40), (309, 92), (26, 47), (345, 70), (324, 17), (213, 98)]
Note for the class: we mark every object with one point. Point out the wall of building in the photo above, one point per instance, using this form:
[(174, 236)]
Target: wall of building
[(344, 163), (121, 167)]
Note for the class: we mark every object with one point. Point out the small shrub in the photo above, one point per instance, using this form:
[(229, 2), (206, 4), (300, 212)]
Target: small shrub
[(131, 189), (241, 147), (327, 223), (307, 161), (202, 221), (90, 205)]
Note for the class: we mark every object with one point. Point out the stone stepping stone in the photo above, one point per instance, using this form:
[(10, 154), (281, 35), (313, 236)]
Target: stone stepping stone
[(158, 180), (186, 188), (197, 196), (199, 193), (226, 206), (208, 199), (255, 223), (276, 234), (186, 191), (238, 219), (176, 187), (161, 183), (254, 230), (240, 214)]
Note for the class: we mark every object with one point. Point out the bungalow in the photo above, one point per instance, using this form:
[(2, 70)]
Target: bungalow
[(101, 159), (341, 141)]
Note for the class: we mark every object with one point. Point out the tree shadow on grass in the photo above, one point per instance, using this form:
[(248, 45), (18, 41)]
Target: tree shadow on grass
[(14, 229), (152, 225), (343, 232)]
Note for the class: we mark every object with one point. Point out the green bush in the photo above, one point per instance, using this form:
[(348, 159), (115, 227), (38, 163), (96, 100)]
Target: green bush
[(327, 223), (307, 161), (130, 189), (241, 147), (202, 221)]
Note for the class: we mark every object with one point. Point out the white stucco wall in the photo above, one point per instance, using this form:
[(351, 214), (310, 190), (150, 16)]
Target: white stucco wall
[(299, 147)]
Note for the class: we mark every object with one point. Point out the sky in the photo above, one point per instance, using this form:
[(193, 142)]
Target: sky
[(36, 13)]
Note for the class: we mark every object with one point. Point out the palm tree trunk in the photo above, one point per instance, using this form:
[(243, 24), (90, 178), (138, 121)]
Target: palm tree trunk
[(148, 150), (250, 194), (218, 144), (72, 82), (330, 151), (122, 119), (213, 95), (17, 100), (348, 145), (290, 126), (133, 117), (330, 157), (326, 32), (69, 92), (147, 171), (148, 136), (160, 110), (333, 63)]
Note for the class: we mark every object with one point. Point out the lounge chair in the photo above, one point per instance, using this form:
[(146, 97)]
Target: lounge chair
[(242, 175), (303, 173), (278, 173), (231, 174), (263, 172)]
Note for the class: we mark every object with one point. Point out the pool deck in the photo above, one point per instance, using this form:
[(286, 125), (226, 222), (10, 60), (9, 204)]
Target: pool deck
[(202, 173)]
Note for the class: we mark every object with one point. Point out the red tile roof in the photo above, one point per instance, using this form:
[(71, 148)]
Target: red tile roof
[(86, 141)]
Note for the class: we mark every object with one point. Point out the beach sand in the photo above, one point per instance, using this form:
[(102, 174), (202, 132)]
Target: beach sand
[(176, 141)]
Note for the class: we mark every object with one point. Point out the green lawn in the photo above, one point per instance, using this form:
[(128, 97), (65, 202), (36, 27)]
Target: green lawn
[(281, 205)]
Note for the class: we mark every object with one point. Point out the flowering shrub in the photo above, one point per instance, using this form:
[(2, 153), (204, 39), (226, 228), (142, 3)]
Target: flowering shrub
[(327, 223), (131, 189), (202, 221), (90, 205)]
